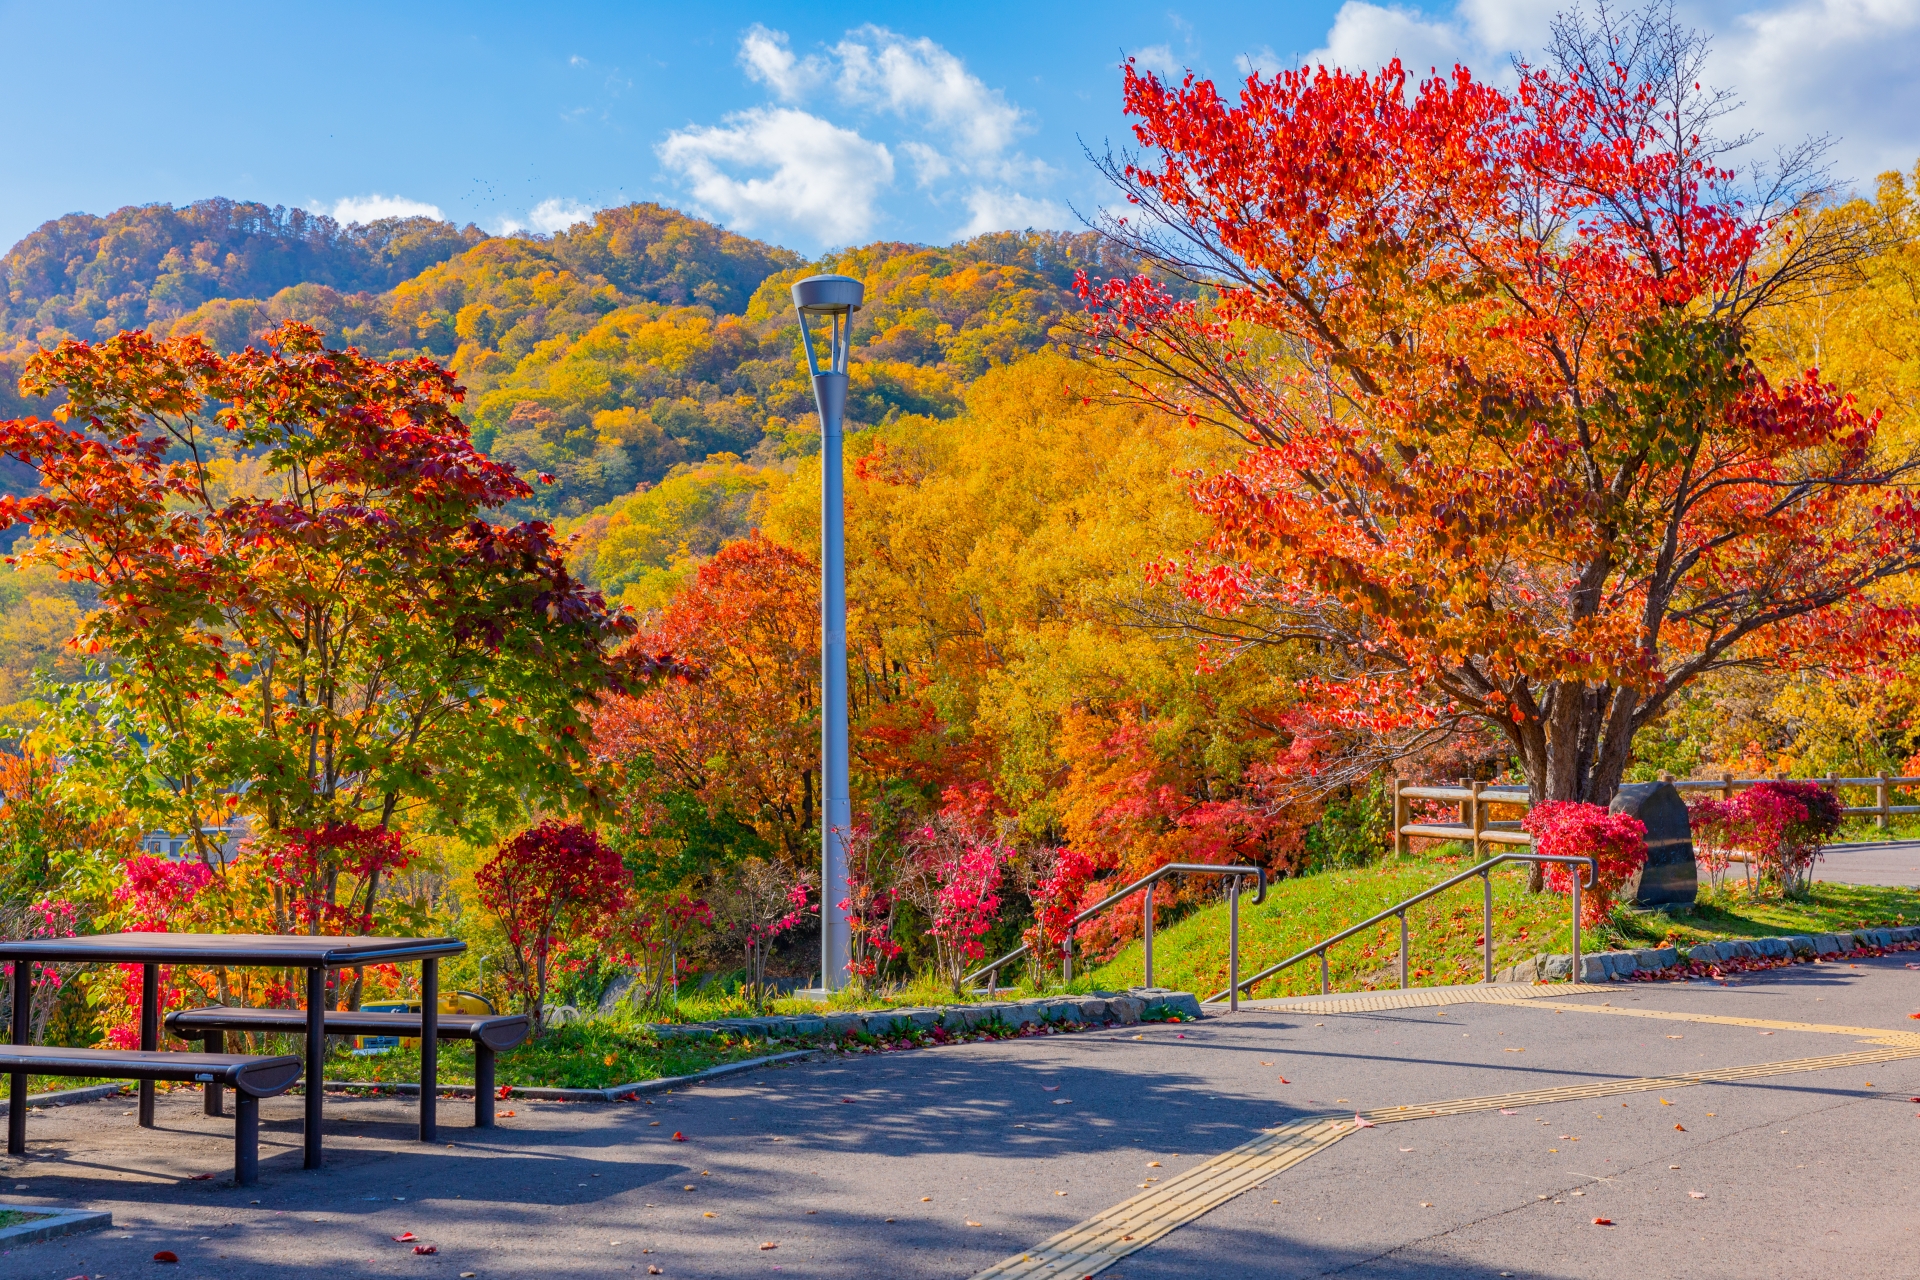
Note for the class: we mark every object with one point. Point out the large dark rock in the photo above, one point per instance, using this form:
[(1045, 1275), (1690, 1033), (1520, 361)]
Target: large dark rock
[(1669, 876)]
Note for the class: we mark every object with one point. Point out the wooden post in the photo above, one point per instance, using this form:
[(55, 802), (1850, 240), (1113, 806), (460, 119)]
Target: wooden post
[(1465, 805), (1881, 798), (1726, 786), (1479, 821), (1399, 818)]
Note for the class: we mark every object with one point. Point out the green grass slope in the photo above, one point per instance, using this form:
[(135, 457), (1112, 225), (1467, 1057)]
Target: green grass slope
[(1444, 932)]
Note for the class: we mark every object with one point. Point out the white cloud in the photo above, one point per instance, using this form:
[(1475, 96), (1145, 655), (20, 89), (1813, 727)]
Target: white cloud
[(1264, 60), (1159, 59), (1838, 67), (1366, 36), (372, 208), (918, 79), (767, 58), (1842, 68), (1010, 211), (782, 167), (557, 215)]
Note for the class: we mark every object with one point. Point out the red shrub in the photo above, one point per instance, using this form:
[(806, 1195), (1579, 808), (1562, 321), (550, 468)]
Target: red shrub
[(1615, 841), (550, 877)]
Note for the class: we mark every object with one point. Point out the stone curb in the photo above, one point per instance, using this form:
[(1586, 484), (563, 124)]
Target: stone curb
[(1099, 1007), (537, 1093), (1619, 966), (62, 1222), (65, 1098)]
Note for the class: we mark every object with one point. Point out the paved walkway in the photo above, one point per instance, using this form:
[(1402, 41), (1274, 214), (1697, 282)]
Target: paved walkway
[(1723, 1130)]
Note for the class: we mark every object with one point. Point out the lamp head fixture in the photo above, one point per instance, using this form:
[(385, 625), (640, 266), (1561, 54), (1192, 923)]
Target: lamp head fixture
[(833, 299)]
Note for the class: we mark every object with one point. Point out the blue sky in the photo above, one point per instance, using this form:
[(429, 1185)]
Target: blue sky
[(809, 125)]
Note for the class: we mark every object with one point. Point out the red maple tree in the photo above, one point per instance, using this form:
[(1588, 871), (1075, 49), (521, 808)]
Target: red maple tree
[(1508, 460), (550, 877)]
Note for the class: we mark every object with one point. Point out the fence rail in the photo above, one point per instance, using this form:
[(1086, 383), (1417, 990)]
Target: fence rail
[(1881, 810)]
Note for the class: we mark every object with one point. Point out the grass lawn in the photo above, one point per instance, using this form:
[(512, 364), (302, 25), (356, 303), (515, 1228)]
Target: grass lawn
[(14, 1217), (1444, 932)]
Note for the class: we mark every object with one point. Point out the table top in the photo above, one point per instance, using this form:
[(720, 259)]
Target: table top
[(297, 951)]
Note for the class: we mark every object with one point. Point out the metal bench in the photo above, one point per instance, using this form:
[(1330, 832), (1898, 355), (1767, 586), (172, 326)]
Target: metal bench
[(251, 1078), (490, 1035)]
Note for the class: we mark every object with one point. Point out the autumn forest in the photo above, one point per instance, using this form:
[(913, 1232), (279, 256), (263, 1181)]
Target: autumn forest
[(1170, 539)]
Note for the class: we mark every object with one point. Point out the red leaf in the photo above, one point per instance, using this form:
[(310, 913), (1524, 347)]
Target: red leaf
[(1284, 1080), (166, 1255), (1680, 1127), (405, 1237), (200, 1177), (1603, 1222), (679, 1136), (426, 1248)]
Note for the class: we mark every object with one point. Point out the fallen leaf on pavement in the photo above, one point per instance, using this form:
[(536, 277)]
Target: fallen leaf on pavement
[(1696, 1195), (1682, 1128), (709, 1214), (1603, 1222), (1155, 1164), (1284, 1080), (405, 1237), (165, 1255), (1508, 1111), (653, 1124), (769, 1245), (201, 1177), (1050, 1088), (1362, 1122), (426, 1248), (679, 1136), (653, 1270), (972, 1223), (926, 1199), (508, 1114)]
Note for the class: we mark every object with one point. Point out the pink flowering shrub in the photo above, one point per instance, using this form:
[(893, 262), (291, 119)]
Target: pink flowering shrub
[(953, 874), (1780, 826), (1615, 841), (872, 902), (1056, 900)]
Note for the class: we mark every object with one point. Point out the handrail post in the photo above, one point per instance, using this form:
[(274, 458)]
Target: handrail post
[(1233, 944), (1148, 935), (1486, 928), (1323, 971), (1573, 975), (1403, 950), (1066, 949)]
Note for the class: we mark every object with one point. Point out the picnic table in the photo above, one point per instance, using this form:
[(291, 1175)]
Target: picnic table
[(316, 954)]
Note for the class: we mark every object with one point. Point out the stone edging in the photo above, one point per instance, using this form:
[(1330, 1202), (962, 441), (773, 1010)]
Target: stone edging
[(1653, 963), (57, 1222), (1101, 1007)]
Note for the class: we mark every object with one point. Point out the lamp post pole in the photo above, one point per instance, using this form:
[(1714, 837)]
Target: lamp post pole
[(833, 299)]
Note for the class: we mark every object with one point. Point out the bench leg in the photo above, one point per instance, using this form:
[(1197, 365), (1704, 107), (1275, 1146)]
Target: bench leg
[(149, 1033), (17, 1082), (316, 1063), (429, 1050), (246, 1138), (216, 1042), (482, 1086)]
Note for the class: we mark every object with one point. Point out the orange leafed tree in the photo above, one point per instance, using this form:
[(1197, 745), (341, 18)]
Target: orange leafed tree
[(1508, 460)]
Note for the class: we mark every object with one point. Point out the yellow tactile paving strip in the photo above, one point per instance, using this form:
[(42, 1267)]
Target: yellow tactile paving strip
[(1425, 997), (1873, 1035), (1102, 1240)]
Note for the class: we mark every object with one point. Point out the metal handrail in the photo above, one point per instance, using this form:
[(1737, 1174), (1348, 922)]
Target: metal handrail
[(1235, 876), (1484, 870)]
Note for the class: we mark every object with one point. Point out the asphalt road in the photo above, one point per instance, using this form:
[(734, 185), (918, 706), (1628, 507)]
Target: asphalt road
[(879, 1166), (1896, 862)]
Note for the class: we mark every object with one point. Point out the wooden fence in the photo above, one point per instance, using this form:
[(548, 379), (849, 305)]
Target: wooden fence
[(1477, 827)]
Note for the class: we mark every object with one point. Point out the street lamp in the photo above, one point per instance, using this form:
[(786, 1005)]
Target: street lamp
[(833, 299)]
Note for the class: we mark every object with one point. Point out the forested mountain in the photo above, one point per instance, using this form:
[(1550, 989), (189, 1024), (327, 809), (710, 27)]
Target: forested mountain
[(604, 355), (91, 277)]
